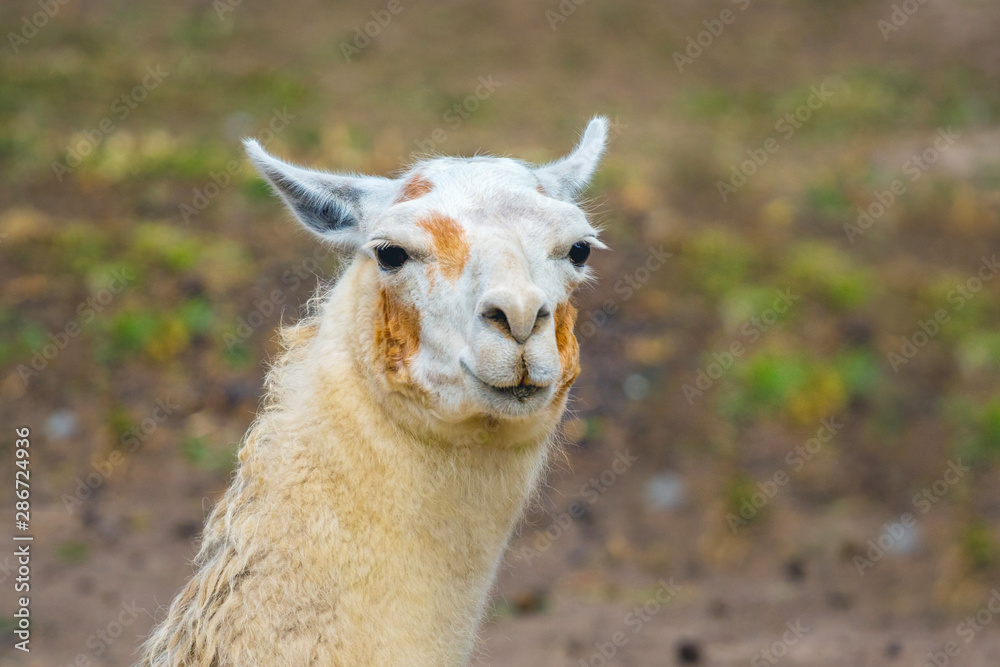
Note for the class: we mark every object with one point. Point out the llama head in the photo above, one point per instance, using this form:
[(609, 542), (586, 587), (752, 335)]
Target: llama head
[(472, 261)]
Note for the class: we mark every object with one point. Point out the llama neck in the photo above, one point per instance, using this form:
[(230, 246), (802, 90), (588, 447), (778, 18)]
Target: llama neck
[(350, 536), (423, 516), (418, 556)]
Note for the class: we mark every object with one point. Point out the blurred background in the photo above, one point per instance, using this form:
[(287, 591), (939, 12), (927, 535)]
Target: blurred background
[(784, 445)]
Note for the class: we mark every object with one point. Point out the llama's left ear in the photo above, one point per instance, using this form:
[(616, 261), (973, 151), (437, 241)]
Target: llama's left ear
[(333, 206), (567, 178)]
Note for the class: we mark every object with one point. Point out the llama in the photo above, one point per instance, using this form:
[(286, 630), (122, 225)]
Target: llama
[(406, 423)]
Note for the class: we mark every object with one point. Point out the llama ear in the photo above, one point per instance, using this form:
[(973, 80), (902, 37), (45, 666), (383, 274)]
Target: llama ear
[(333, 206), (566, 178)]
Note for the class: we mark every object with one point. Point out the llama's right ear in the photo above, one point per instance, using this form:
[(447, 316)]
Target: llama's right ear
[(334, 206), (566, 178)]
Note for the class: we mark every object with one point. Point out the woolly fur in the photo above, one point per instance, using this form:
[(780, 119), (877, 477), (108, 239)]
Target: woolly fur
[(349, 537), (362, 527)]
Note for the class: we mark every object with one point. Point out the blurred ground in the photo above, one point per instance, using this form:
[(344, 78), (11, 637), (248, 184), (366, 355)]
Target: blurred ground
[(792, 422)]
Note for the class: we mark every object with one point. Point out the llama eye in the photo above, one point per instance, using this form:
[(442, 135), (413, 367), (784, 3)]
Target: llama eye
[(390, 257), (579, 253)]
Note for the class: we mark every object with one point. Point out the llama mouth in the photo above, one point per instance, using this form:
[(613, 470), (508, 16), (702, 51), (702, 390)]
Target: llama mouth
[(522, 392)]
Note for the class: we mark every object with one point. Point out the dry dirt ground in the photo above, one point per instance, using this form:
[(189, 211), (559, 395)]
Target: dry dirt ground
[(628, 557)]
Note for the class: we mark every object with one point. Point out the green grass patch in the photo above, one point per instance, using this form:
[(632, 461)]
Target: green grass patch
[(72, 552), (716, 262), (166, 245), (152, 332), (828, 273), (977, 427), (81, 247), (795, 387), (199, 452), (979, 545)]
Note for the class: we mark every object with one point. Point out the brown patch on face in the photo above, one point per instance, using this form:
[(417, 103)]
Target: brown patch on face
[(566, 343), (416, 186), (397, 335), (541, 190), (450, 245)]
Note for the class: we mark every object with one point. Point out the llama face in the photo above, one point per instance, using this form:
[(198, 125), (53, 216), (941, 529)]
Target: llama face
[(474, 262)]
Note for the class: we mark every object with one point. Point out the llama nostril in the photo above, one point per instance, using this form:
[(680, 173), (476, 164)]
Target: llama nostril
[(543, 314), (514, 313), (498, 318)]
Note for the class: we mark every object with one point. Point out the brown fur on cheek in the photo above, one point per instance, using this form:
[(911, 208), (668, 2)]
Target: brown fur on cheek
[(566, 343), (397, 335), (417, 186), (450, 246)]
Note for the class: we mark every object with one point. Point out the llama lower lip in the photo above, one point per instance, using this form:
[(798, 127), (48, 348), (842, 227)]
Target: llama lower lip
[(520, 392)]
